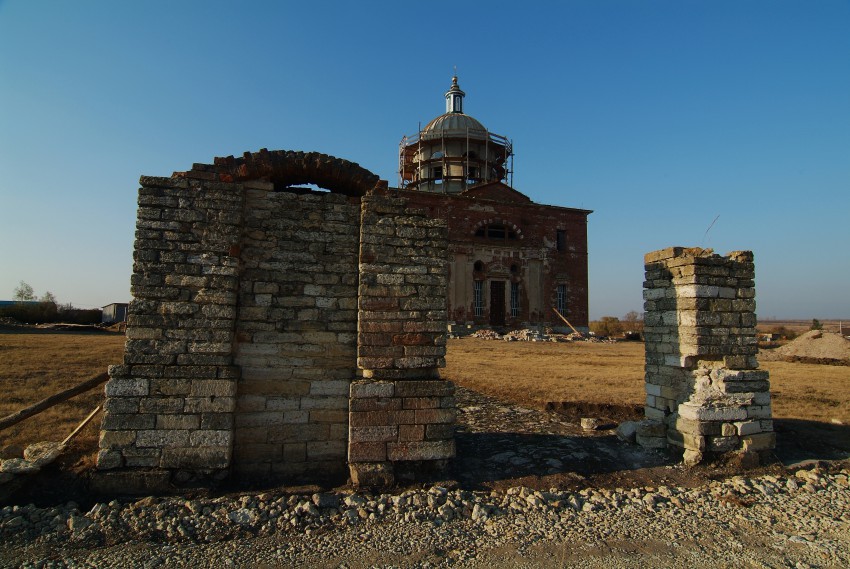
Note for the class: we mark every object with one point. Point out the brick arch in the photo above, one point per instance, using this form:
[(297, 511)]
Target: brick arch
[(288, 168), (504, 222)]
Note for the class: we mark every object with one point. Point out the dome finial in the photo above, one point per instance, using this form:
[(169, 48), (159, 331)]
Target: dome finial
[(454, 97)]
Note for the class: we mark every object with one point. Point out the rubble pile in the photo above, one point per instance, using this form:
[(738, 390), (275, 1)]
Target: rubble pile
[(486, 334), (809, 507)]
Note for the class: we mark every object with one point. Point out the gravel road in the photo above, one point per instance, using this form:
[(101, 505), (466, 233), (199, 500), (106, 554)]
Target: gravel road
[(798, 519)]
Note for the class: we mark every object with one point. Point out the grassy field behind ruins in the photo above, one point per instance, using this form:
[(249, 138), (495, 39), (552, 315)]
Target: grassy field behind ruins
[(36, 365)]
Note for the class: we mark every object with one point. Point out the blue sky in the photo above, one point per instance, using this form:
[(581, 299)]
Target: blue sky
[(659, 116)]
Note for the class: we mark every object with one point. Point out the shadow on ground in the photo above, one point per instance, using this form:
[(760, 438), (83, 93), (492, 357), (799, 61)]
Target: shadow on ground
[(798, 440)]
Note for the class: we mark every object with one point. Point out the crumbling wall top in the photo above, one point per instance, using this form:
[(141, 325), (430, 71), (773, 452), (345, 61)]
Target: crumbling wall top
[(284, 168), (696, 254)]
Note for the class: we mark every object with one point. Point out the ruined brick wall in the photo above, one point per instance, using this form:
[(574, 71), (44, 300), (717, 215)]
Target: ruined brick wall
[(704, 392), (255, 307), (170, 404)]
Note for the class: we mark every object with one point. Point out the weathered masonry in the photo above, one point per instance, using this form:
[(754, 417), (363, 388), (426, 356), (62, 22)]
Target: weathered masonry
[(704, 392), (281, 332)]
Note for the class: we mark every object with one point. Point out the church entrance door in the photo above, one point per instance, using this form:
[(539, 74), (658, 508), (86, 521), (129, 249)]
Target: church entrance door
[(497, 303)]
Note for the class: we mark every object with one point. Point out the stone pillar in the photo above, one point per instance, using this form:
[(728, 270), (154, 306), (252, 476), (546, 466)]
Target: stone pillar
[(704, 392), (401, 415)]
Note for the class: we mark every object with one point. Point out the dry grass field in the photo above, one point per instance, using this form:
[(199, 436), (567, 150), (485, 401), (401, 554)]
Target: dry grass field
[(37, 364), (535, 373)]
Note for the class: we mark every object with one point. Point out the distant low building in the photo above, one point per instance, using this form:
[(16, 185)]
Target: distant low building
[(115, 312), (16, 302)]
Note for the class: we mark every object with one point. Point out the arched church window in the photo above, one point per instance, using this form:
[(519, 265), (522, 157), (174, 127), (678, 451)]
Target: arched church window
[(496, 231)]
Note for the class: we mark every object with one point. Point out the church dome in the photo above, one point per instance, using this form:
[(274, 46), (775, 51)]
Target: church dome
[(453, 152), (454, 124)]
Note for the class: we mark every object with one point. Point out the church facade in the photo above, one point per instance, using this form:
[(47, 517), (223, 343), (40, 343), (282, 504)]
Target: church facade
[(512, 263)]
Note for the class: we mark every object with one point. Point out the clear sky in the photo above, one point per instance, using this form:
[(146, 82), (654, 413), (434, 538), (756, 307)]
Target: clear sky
[(658, 115)]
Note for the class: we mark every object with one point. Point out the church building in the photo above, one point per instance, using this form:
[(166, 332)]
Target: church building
[(512, 263)]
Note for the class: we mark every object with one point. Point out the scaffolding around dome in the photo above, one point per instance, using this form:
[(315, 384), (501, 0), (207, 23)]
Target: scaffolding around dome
[(454, 152)]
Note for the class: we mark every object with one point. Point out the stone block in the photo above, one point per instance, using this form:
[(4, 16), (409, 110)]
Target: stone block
[(217, 421), (362, 389), (759, 412), (340, 387), (654, 414), (209, 404), (161, 405), (326, 450), (196, 458), (122, 405), (172, 422), (424, 388), (127, 422), (372, 474), (210, 438), (651, 428), (412, 433), (108, 459), (376, 404), (367, 451), (324, 403), (373, 418), (423, 450), (328, 416), (260, 419), (134, 482), (694, 412), (298, 433), (116, 440), (213, 387), (294, 452), (429, 416), (723, 444), (758, 442), (162, 438), (170, 387), (142, 457), (381, 433), (421, 402), (686, 440), (127, 387), (439, 431)]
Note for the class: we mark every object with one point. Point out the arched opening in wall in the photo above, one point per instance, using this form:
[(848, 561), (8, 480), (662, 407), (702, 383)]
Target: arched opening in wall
[(290, 169), (301, 189)]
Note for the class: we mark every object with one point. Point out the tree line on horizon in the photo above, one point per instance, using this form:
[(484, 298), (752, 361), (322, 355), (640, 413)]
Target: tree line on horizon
[(30, 309)]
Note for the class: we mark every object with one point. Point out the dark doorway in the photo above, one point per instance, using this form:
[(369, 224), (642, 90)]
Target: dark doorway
[(497, 303)]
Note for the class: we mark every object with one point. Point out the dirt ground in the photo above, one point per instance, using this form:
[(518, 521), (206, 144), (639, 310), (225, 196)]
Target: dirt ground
[(526, 396)]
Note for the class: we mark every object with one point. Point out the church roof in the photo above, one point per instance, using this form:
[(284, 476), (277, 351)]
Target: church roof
[(454, 124)]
